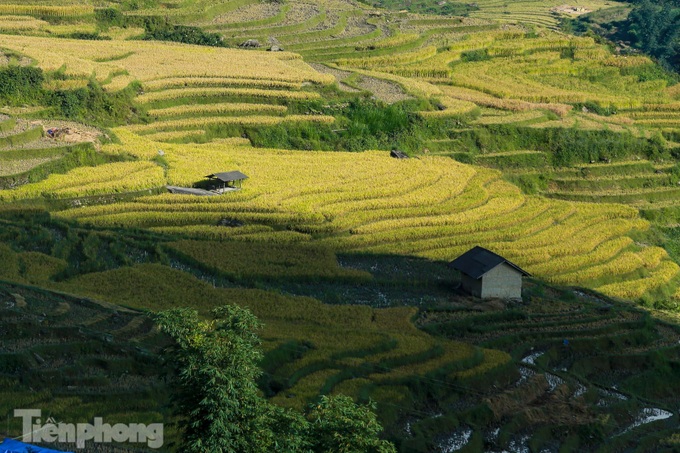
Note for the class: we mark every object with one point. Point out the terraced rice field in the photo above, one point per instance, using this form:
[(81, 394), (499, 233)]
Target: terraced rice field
[(537, 13), (570, 348), (502, 74), (243, 88), (648, 186), (111, 348), (27, 155), (314, 358), (354, 350), (408, 49), (437, 208), (503, 66)]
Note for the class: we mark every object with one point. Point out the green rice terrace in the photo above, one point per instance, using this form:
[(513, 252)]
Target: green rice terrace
[(519, 126)]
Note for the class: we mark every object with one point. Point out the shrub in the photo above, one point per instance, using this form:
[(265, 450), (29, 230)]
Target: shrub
[(159, 29), (109, 17), (21, 85)]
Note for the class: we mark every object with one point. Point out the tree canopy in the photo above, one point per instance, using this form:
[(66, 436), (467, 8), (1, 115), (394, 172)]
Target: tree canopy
[(655, 29), (221, 408)]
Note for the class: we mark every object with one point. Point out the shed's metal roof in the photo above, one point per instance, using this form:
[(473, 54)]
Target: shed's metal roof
[(478, 261), (228, 176)]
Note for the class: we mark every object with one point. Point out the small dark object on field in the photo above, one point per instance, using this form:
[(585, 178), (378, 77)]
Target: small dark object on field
[(56, 132), (233, 223), (398, 154), (250, 44)]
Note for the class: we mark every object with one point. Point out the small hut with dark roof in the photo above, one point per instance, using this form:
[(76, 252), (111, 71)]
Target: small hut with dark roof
[(227, 179), (485, 274)]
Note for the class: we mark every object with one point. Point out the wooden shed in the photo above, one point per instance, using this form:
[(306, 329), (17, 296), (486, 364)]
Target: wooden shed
[(227, 179), (485, 274)]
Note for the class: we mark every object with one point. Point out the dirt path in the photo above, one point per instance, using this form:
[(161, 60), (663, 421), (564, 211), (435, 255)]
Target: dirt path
[(338, 74), (387, 92)]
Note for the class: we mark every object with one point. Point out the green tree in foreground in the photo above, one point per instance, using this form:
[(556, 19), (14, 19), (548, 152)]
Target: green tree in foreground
[(220, 406)]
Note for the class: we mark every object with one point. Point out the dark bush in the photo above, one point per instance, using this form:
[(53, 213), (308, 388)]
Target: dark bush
[(110, 17), (475, 55), (94, 105), (88, 36), (21, 85), (157, 28)]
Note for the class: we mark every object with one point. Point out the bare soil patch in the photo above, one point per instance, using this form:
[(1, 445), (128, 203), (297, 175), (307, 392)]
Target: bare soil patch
[(387, 92), (338, 74), (70, 131), (570, 10), (21, 61), (300, 12), (248, 13)]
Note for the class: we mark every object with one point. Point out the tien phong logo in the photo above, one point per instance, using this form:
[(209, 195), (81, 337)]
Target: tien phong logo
[(78, 433)]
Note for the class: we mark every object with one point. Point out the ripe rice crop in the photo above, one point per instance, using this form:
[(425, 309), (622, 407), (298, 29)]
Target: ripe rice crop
[(524, 70), (202, 109), (430, 207), (451, 240), (39, 268), (119, 82), (45, 10), (674, 91), (176, 135), (621, 265), (391, 41), (413, 86), (596, 53), (178, 93), (453, 352), (197, 82), (582, 242), (486, 100), (15, 23), (635, 289), (335, 332), (627, 61), (68, 84), (492, 359), (146, 60), (672, 107), (210, 232), (267, 261), (512, 118), (84, 181), (377, 62), (68, 28), (203, 122), (670, 123), (603, 252)]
